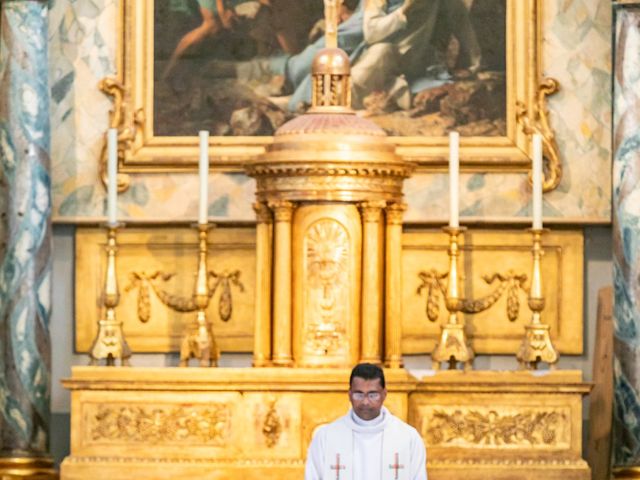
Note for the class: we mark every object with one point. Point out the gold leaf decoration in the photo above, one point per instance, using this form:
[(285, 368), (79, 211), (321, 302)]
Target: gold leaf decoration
[(272, 427), (512, 283), (142, 282), (326, 257), (491, 428), (207, 425), (537, 121)]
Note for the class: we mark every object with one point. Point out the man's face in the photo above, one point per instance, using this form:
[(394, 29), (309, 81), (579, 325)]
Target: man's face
[(367, 397)]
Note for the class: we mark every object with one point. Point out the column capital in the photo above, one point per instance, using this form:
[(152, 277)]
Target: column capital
[(263, 212), (371, 210), (282, 210), (395, 212)]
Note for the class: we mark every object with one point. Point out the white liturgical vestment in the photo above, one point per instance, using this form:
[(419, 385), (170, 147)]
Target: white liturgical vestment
[(350, 448)]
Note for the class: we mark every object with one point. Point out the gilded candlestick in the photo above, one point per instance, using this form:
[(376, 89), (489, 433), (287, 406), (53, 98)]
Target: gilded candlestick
[(110, 343), (199, 341), (453, 346), (536, 346)]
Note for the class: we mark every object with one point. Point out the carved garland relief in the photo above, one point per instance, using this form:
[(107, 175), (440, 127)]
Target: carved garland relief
[(491, 427), (206, 425)]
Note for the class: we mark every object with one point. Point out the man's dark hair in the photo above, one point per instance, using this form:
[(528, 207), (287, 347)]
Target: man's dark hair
[(367, 371)]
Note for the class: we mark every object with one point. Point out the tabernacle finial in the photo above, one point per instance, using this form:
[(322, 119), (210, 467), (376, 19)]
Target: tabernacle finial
[(331, 71)]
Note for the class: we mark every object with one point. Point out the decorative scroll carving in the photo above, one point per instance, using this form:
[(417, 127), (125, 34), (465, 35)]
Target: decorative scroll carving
[(490, 428), (512, 283), (144, 282), (326, 258), (128, 127), (538, 122), (208, 425), (272, 426)]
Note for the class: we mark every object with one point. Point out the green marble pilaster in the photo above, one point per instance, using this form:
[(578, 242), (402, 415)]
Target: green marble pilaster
[(626, 239), (25, 240)]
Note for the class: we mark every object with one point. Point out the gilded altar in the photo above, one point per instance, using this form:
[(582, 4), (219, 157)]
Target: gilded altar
[(331, 268), (156, 423)]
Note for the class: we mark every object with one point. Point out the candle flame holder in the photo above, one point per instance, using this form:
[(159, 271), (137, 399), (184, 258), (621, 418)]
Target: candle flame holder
[(536, 346), (454, 346), (198, 341), (110, 344)]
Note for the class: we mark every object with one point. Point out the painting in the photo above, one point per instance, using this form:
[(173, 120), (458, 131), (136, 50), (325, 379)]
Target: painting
[(241, 68)]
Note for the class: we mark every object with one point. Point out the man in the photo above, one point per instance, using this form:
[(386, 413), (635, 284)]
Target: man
[(270, 27), (296, 69), (368, 443), (403, 39)]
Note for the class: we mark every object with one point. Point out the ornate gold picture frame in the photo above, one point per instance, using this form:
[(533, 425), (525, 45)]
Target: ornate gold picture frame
[(143, 150)]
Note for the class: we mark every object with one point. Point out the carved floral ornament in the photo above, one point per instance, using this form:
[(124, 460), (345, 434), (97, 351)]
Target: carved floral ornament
[(206, 425), (144, 148), (490, 427)]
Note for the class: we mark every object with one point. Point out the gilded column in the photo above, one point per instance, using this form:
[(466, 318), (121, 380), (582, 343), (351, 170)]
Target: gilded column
[(262, 338), (25, 241), (626, 240), (282, 212), (393, 286), (372, 287)]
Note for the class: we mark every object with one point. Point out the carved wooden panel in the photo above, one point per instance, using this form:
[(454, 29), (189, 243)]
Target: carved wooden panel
[(156, 268), (495, 267), (156, 275), (327, 245)]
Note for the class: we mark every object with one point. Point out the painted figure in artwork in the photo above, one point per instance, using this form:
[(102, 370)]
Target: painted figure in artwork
[(242, 67)]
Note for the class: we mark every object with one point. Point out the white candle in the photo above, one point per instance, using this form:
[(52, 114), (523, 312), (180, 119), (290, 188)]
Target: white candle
[(203, 176), (454, 178), (112, 176), (537, 181)]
